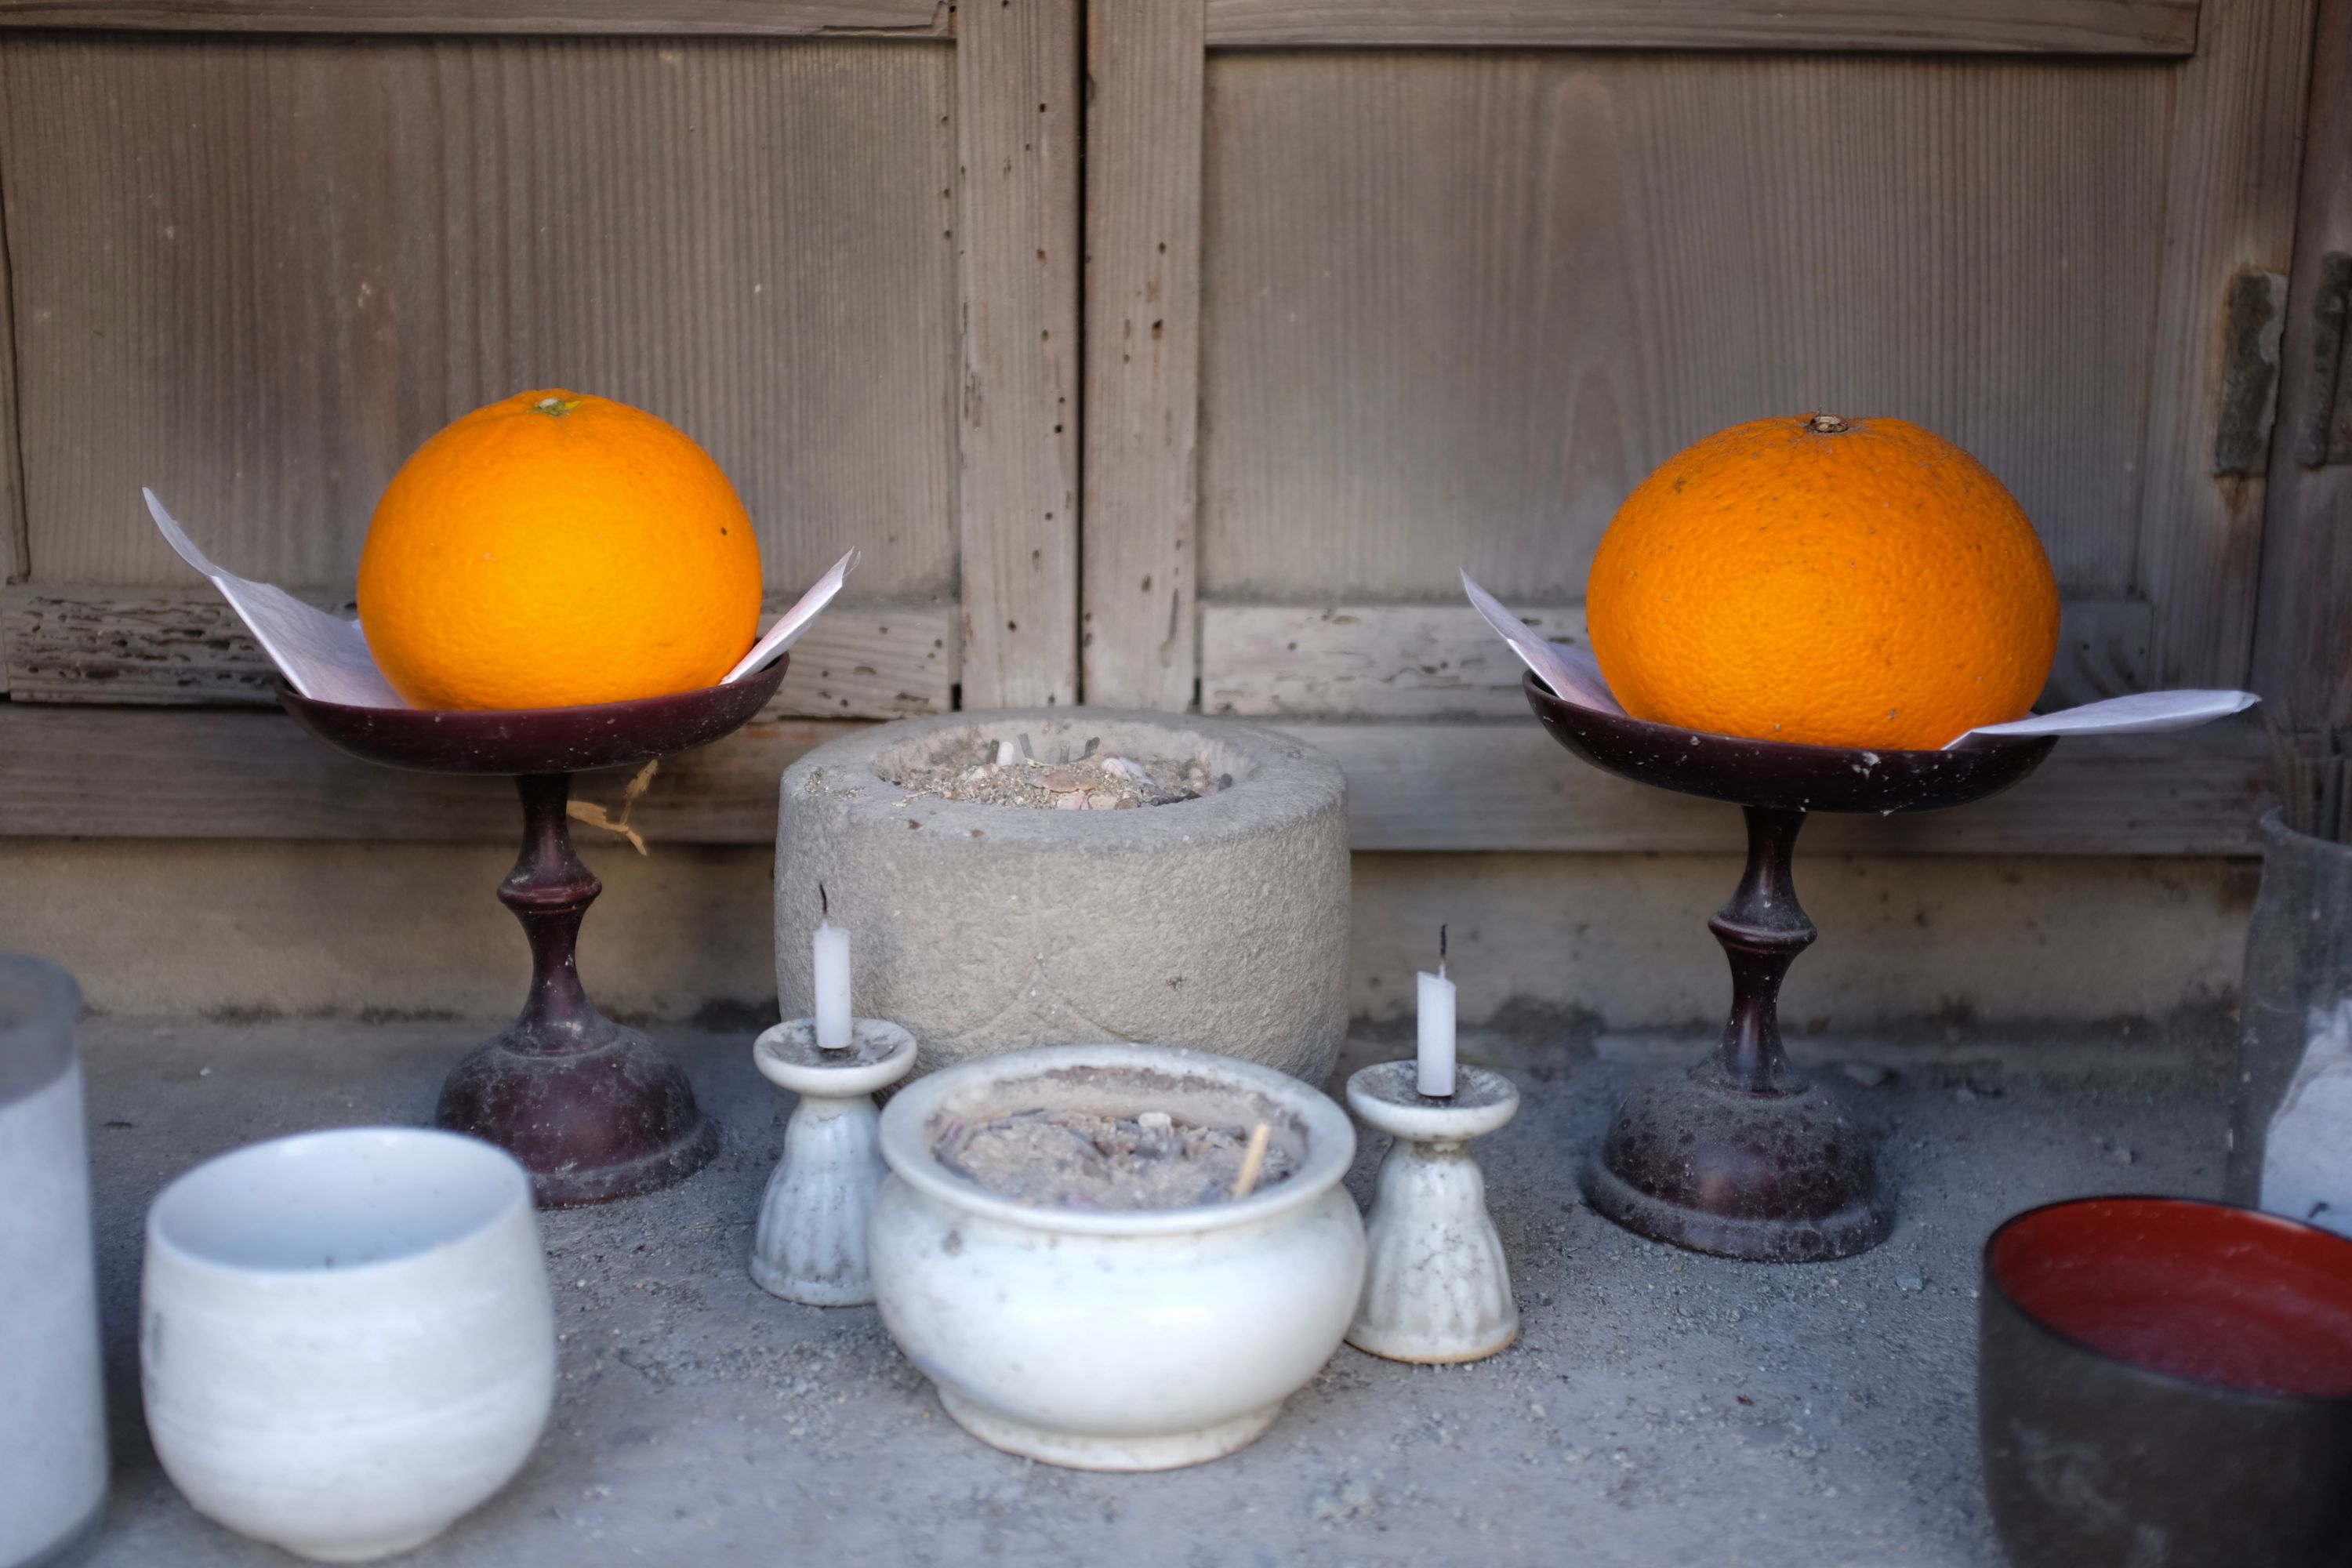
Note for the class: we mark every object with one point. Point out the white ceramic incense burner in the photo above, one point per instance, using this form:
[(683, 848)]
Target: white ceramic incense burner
[(346, 1339), (1116, 1339), (811, 1245), (1437, 1288)]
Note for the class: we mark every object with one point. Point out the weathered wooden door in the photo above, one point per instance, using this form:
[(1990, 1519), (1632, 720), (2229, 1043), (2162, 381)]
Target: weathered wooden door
[(1372, 290), (2303, 649), (1380, 290), (256, 250)]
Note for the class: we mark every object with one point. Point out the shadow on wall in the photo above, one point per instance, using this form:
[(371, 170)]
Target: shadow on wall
[(1617, 941)]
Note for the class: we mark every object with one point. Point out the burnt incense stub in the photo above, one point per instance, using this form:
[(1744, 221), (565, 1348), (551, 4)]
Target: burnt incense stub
[(1744, 1155), (593, 1108)]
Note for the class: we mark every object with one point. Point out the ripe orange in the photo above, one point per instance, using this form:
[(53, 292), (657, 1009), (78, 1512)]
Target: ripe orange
[(1836, 583), (555, 550)]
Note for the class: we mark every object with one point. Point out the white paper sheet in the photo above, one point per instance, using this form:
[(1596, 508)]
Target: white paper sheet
[(794, 621), (2132, 715), (1574, 675), (326, 657)]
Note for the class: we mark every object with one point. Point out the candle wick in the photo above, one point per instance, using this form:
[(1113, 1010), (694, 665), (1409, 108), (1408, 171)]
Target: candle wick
[(824, 904)]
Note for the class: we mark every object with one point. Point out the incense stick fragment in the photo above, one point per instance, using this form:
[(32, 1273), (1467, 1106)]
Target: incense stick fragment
[(1253, 1160)]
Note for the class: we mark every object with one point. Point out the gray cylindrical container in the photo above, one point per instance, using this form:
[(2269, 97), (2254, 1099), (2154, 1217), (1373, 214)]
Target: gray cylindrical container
[(1217, 923), (52, 1459)]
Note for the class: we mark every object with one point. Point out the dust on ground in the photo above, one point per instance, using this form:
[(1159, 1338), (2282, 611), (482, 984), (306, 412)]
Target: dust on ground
[(1077, 1160)]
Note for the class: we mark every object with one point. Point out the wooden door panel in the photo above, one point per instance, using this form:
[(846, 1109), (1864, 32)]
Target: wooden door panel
[(255, 275), (1455, 306)]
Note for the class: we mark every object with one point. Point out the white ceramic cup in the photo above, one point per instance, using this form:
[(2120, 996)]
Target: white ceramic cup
[(346, 1339)]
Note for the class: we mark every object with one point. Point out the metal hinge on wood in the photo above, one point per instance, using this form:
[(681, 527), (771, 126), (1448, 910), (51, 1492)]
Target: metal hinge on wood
[(2250, 369), (2327, 436)]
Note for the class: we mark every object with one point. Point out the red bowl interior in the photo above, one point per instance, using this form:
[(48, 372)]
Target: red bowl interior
[(2203, 1291)]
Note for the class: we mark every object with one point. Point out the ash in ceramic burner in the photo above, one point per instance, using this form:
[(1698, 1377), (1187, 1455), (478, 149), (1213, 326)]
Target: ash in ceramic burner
[(1010, 772), (1077, 1159)]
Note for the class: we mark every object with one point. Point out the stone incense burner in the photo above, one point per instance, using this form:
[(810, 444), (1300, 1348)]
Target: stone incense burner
[(1218, 923), (1108, 1339)]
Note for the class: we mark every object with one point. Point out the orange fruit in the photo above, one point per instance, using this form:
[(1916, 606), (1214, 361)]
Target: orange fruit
[(555, 550), (1832, 582)]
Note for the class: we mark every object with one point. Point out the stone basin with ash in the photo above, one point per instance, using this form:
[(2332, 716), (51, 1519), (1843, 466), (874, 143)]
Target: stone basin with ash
[(1213, 914)]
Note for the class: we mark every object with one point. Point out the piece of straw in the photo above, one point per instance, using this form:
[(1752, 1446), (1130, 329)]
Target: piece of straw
[(595, 816), (1253, 1160)]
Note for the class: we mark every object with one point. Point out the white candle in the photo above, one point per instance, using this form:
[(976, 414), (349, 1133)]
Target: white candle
[(832, 986), (1436, 1059)]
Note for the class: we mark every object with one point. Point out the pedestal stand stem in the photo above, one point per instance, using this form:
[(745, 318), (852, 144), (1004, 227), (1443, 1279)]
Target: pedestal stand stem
[(1762, 931), (550, 890)]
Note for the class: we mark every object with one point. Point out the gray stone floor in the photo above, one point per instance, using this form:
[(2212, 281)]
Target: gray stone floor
[(1659, 1408)]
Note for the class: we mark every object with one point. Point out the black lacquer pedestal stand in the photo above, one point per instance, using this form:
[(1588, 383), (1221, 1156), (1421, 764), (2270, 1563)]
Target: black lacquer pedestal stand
[(593, 1108), (1744, 1155)]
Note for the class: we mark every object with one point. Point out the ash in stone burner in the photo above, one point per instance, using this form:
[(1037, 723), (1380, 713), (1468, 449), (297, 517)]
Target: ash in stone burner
[(1085, 1160), (1013, 773)]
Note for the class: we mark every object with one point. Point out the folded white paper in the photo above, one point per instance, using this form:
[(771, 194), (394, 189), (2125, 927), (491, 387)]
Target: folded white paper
[(326, 657), (1574, 675), (794, 621)]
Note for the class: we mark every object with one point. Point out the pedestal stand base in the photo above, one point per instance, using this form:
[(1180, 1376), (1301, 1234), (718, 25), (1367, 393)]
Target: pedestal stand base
[(608, 1122), (1784, 1177)]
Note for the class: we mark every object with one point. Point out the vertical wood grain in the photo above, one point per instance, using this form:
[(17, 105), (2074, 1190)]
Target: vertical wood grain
[(2302, 638), (1019, 117), (1456, 306), (2228, 208), (1145, 60), (15, 541), (254, 273)]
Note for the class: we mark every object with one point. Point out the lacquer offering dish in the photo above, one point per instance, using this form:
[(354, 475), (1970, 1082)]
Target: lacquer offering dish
[(1745, 1156), (1116, 1258), (593, 1108)]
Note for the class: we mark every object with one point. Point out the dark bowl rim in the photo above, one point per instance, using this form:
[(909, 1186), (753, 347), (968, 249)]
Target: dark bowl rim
[(1534, 684), (1993, 1283)]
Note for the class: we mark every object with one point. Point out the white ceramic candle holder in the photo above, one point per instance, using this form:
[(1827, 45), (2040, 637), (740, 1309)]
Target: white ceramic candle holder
[(811, 1245), (1437, 1288)]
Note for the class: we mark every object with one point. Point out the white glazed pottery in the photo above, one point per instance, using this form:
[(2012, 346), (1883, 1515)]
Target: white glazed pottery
[(1437, 1288), (1138, 1340), (810, 1245), (53, 1460), (346, 1339)]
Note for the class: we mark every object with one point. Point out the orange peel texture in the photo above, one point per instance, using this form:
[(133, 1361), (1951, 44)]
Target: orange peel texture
[(555, 550), (1830, 582)]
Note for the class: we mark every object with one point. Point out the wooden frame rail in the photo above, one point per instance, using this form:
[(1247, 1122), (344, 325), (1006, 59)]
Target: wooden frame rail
[(165, 772), (2087, 27), (915, 18)]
